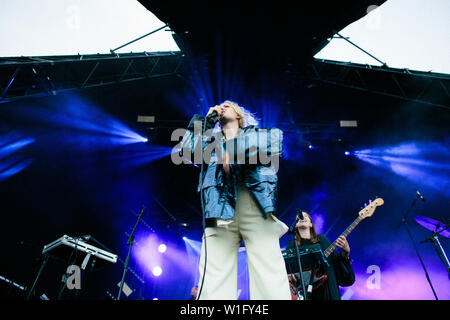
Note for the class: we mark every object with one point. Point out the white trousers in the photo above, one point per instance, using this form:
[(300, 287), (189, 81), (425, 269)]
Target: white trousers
[(266, 268)]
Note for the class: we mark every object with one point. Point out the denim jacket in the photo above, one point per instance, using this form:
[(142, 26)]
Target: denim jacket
[(258, 173)]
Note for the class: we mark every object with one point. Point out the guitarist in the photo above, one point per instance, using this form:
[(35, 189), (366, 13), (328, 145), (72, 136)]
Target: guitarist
[(339, 271)]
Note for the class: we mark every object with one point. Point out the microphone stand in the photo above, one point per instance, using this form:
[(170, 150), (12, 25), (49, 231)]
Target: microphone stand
[(437, 245), (212, 115), (130, 244), (413, 242), (297, 252)]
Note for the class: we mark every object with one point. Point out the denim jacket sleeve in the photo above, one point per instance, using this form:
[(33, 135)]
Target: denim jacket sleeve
[(190, 140), (256, 146)]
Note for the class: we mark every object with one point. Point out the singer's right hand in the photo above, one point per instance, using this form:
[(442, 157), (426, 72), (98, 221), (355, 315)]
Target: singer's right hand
[(219, 111)]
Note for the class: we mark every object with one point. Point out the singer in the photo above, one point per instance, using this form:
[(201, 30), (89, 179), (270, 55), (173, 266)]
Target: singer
[(339, 272), (239, 189)]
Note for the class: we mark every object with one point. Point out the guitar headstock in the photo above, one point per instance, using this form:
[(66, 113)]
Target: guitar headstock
[(368, 210)]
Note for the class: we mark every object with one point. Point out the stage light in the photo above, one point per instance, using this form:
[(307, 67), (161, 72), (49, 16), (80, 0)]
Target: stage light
[(424, 163), (162, 248), (157, 271), (142, 154), (11, 147), (139, 139), (184, 238), (84, 125), (311, 147), (11, 162), (347, 153)]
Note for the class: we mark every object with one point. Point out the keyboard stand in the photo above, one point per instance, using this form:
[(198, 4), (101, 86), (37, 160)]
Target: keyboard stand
[(66, 245)]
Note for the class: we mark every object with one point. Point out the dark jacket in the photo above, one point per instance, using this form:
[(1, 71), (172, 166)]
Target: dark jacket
[(339, 272), (247, 166)]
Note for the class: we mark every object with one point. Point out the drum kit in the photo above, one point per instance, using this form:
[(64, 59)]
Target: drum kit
[(438, 229)]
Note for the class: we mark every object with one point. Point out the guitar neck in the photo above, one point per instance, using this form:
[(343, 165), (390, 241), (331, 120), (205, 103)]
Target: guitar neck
[(347, 231)]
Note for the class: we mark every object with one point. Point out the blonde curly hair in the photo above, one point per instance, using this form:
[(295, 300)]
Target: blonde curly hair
[(246, 118)]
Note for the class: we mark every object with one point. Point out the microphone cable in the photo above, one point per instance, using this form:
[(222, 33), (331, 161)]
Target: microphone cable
[(203, 208)]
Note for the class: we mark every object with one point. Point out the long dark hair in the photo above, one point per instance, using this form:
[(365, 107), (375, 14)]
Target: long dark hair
[(314, 237)]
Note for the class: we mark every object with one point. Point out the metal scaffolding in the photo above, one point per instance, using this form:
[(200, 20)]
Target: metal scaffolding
[(426, 88), (31, 77)]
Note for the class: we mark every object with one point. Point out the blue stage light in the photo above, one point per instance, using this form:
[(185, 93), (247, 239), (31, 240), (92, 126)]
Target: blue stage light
[(157, 271), (85, 125), (423, 163), (11, 162), (162, 248)]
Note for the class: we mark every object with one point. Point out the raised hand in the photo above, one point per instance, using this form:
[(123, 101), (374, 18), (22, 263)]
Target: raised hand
[(219, 110)]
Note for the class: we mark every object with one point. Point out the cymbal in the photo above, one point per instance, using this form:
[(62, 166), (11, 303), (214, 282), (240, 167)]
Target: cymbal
[(433, 225)]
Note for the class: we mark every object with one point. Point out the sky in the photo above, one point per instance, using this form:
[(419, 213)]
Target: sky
[(69, 27), (409, 34)]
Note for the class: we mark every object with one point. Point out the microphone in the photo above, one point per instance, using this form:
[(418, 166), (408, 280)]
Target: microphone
[(300, 214), (212, 115), (420, 196)]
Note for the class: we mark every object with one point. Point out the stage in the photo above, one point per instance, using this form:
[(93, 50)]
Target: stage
[(87, 150)]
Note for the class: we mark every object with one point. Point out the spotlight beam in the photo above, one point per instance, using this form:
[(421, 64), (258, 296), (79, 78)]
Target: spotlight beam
[(423, 163)]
